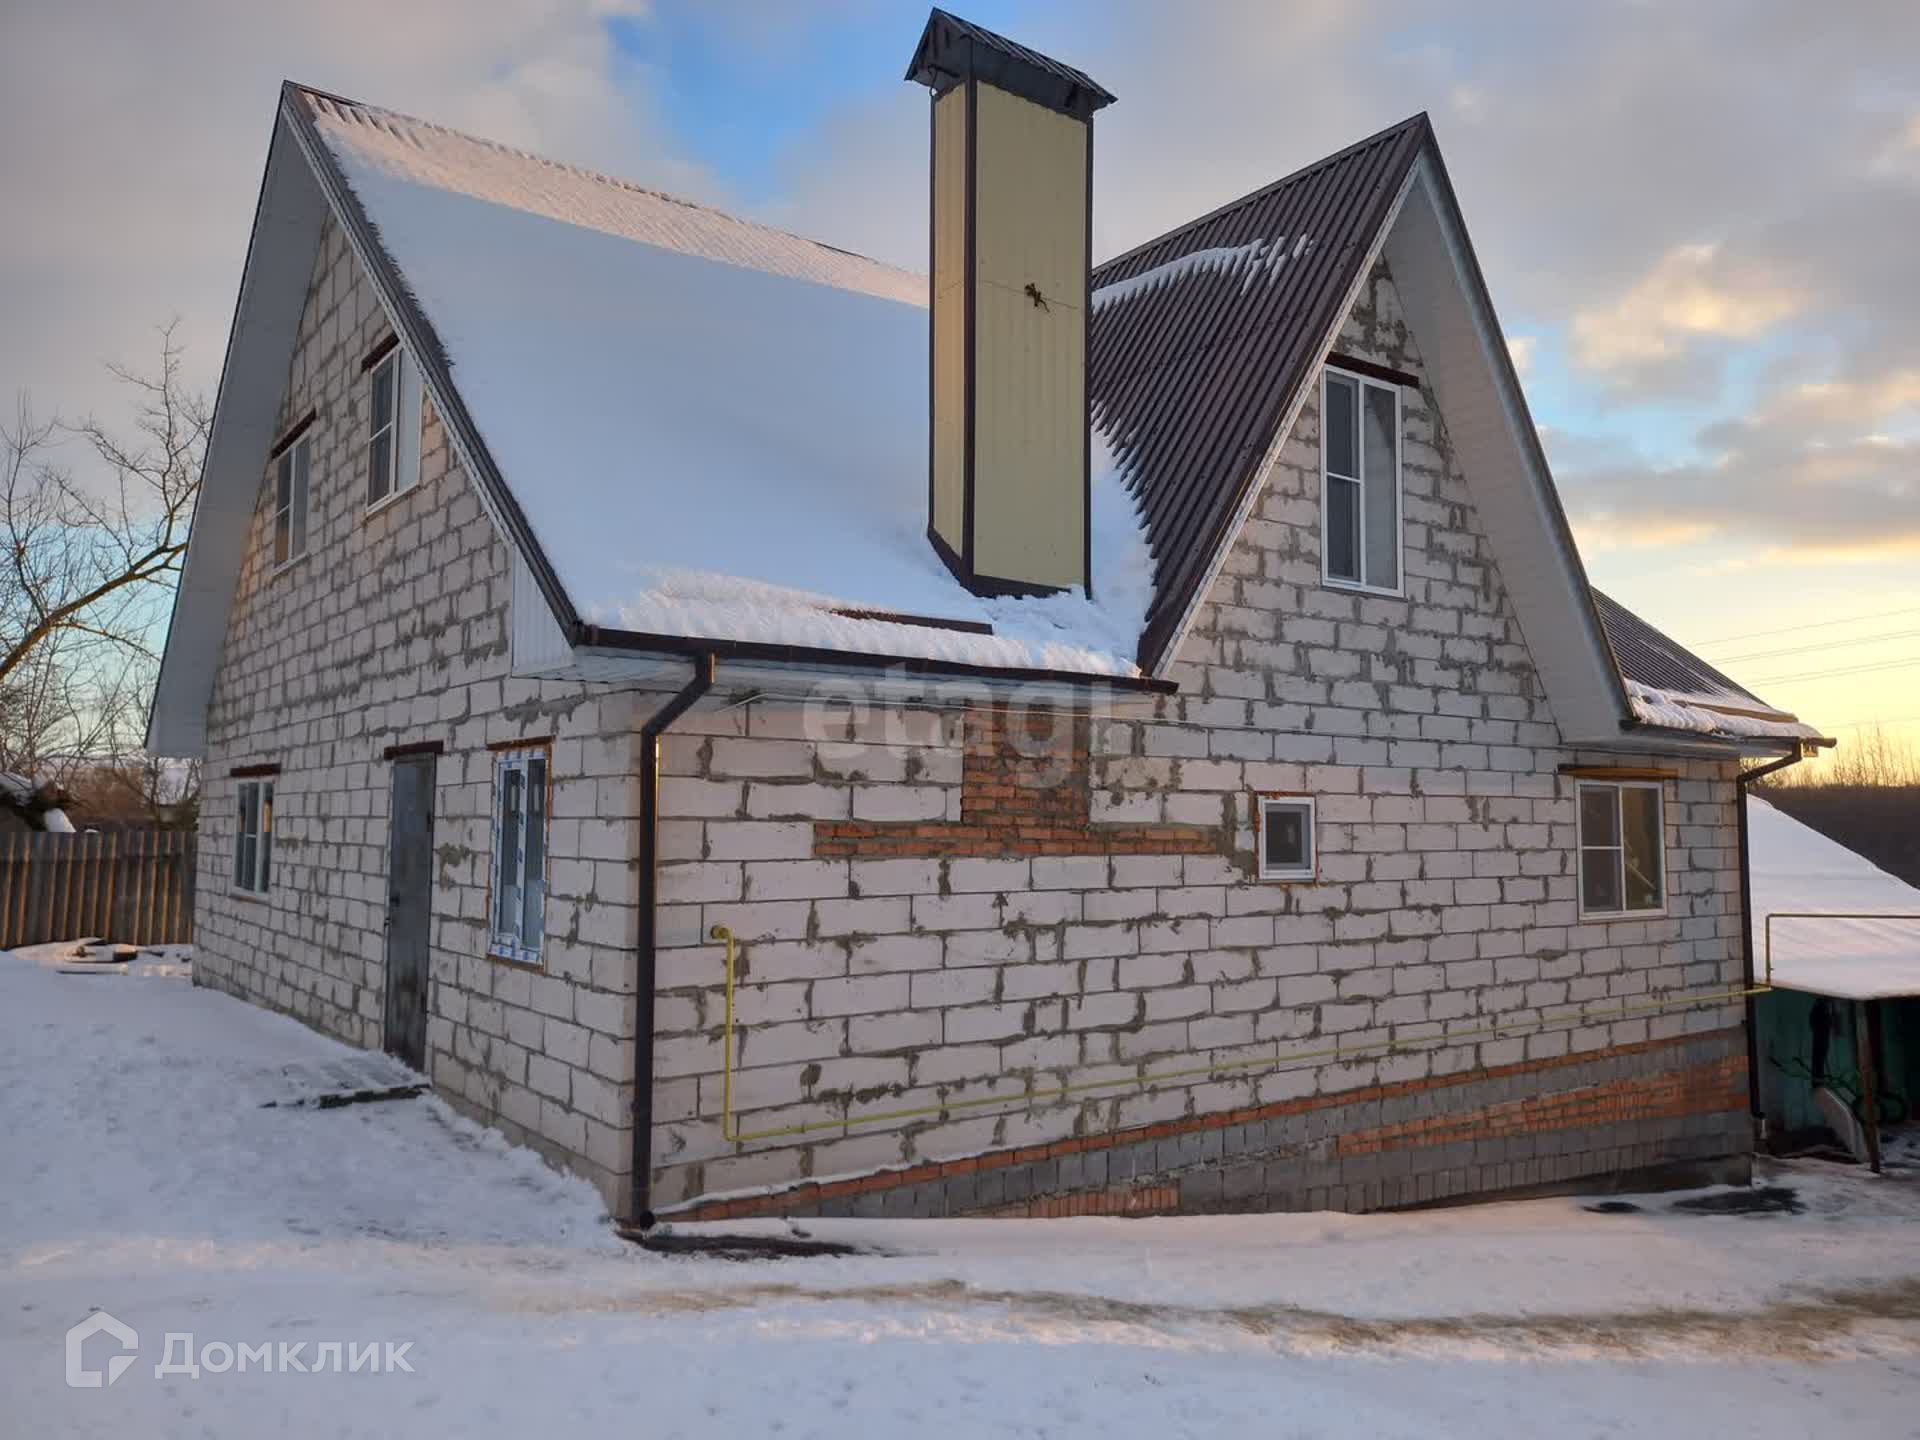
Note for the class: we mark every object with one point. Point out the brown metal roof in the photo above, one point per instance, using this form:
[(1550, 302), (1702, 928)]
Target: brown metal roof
[(1650, 657), (1193, 363)]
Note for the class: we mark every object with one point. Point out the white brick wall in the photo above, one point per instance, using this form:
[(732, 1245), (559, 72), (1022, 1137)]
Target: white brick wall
[(870, 985), (1447, 889), (393, 630)]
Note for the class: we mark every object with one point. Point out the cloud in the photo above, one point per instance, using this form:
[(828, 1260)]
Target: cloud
[(149, 127), (1692, 292), (1522, 348)]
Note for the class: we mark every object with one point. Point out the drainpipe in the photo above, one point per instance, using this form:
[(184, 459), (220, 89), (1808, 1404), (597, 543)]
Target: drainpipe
[(639, 1210), (1746, 778)]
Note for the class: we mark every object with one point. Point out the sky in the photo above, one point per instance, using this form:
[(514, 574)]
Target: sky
[(1697, 221)]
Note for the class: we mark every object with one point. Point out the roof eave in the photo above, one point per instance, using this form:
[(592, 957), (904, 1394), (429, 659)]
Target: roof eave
[(821, 659)]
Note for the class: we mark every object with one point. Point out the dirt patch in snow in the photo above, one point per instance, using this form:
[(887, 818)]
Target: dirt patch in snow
[(1826, 1325)]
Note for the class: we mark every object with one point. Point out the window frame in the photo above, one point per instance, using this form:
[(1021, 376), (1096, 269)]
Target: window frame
[(1617, 788), (1290, 874), (387, 365), (514, 945), (253, 880), (297, 460), (1340, 582)]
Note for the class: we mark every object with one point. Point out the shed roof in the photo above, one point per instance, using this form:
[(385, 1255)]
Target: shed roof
[(1842, 927)]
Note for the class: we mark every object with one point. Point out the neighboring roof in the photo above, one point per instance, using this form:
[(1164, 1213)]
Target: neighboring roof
[(1203, 337), (951, 49), (1671, 687), (1795, 870)]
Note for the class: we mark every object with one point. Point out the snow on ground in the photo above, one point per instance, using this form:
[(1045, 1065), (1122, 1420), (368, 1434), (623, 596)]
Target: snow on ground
[(144, 1177)]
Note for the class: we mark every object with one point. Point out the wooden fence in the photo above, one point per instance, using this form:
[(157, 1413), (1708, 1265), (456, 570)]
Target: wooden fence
[(134, 887)]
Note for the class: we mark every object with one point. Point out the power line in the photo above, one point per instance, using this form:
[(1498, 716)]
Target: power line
[(1831, 674), (1884, 720), (1811, 625), (1820, 645)]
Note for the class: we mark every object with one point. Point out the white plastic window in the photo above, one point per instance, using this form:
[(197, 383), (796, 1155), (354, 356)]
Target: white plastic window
[(519, 913)]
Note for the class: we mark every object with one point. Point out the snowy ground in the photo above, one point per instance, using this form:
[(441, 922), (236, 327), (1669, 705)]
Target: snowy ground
[(144, 1177)]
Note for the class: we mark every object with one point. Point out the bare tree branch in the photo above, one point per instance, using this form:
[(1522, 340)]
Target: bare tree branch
[(88, 563)]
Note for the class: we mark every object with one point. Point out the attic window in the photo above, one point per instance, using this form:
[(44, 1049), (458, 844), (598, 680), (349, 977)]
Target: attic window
[(393, 428), (290, 503), (1360, 482)]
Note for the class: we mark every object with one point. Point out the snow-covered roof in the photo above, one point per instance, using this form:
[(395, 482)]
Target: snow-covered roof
[(692, 428), (1797, 871), (715, 430)]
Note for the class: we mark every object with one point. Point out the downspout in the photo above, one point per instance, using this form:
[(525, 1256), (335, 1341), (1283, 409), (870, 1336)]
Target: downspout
[(1748, 977), (639, 1206)]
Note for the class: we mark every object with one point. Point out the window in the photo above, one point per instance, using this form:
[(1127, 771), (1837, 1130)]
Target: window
[(1286, 837), (393, 428), (290, 504), (253, 839), (519, 853), (1360, 486), (1623, 849)]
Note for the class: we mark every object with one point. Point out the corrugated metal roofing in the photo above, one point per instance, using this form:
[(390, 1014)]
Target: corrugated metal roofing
[(446, 159), (1646, 655), (1208, 331)]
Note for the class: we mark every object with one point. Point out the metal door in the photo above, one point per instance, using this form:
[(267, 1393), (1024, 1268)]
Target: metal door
[(409, 907)]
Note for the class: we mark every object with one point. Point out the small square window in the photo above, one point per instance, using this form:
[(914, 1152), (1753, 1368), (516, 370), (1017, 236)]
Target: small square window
[(1286, 838), (1623, 849), (519, 904), (253, 837)]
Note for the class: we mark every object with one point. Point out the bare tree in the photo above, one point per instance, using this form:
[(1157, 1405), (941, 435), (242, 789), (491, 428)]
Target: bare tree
[(1872, 756), (87, 567)]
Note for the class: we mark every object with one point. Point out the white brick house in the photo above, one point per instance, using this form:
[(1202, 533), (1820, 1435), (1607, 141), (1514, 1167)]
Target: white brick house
[(1245, 803)]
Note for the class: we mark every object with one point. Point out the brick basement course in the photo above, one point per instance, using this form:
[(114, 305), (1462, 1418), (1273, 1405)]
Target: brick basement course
[(1524, 1126)]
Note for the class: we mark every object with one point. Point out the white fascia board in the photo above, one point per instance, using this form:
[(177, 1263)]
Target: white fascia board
[(266, 321), (1486, 417)]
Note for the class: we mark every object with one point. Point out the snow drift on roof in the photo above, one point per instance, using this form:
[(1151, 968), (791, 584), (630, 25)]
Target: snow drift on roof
[(1797, 870), (715, 430), (1723, 713)]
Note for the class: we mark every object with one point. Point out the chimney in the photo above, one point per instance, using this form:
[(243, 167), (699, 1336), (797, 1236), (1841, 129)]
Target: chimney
[(1011, 229)]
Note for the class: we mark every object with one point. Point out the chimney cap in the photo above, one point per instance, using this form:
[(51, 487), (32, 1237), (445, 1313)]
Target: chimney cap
[(952, 50)]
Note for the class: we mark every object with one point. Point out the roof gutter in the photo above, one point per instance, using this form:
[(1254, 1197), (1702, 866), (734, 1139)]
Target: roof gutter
[(818, 657), (1741, 782), (639, 1205)]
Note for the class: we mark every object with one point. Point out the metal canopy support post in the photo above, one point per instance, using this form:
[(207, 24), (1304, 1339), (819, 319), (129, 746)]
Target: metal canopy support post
[(1865, 1019)]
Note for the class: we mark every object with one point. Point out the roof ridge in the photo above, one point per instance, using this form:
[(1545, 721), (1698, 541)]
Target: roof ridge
[(1418, 118), (583, 172)]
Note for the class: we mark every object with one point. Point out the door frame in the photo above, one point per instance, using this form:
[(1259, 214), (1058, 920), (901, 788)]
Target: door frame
[(410, 1048)]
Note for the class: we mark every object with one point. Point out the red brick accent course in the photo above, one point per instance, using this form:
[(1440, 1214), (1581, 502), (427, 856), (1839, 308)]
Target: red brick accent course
[(1712, 1088), (1020, 794), (1704, 1089)]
